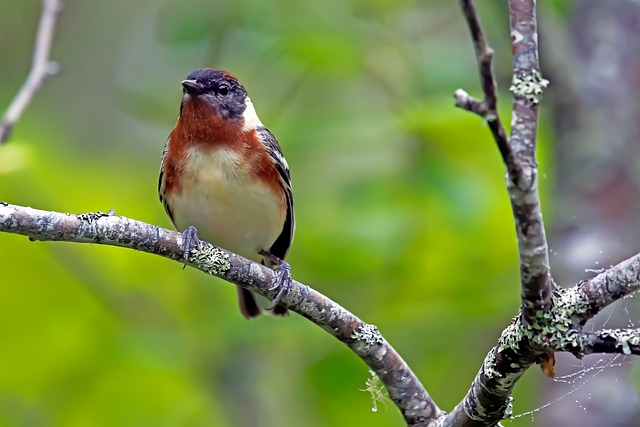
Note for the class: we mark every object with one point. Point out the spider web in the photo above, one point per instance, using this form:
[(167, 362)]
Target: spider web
[(584, 372)]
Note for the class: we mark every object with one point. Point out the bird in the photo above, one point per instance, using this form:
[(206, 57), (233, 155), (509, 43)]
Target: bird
[(224, 179)]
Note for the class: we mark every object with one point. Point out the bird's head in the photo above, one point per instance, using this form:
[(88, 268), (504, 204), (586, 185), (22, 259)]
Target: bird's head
[(223, 93)]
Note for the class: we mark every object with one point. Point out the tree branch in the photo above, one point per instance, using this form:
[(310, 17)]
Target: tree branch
[(363, 339), (519, 347), (517, 151), (41, 68), (542, 323), (527, 86), (550, 319), (609, 286), (488, 107), (623, 341)]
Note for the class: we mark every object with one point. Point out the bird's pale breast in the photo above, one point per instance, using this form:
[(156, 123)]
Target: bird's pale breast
[(229, 210)]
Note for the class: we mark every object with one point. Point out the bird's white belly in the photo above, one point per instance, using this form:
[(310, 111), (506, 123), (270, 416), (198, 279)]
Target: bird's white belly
[(226, 208)]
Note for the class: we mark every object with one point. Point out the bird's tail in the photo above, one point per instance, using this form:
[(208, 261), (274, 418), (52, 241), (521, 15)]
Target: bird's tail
[(248, 305)]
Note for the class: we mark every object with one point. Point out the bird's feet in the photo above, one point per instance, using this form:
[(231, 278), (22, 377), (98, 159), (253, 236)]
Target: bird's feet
[(190, 238), (282, 282)]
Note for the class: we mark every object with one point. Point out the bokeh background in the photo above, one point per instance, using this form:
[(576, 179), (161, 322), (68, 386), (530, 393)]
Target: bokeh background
[(400, 203)]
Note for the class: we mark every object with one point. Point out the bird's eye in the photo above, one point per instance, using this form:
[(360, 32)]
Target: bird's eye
[(223, 89)]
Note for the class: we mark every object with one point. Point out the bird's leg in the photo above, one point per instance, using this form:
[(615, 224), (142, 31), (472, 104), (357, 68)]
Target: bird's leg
[(190, 238), (283, 278)]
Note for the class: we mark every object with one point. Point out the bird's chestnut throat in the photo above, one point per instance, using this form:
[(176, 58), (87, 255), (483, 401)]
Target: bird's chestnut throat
[(200, 127), (201, 124)]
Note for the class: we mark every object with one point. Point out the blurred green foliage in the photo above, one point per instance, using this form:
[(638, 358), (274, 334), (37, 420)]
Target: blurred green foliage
[(402, 213)]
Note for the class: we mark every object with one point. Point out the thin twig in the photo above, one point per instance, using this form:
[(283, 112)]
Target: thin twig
[(621, 341), (41, 67), (488, 107), (609, 286), (404, 388)]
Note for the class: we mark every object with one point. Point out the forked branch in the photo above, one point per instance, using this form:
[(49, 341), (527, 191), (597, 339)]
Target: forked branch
[(550, 319)]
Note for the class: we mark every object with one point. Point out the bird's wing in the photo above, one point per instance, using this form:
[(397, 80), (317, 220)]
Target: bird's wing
[(161, 182), (283, 242)]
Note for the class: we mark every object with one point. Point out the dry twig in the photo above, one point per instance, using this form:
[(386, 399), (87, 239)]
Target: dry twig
[(41, 68)]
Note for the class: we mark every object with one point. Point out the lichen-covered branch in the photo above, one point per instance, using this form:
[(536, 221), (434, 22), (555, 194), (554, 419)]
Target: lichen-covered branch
[(404, 388), (525, 341), (527, 86), (41, 67)]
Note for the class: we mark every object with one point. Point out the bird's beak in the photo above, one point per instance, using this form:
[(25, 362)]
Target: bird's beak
[(192, 87)]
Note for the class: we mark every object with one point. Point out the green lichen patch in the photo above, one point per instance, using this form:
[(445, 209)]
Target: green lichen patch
[(512, 336), (572, 303), (210, 259), (529, 86), (557, 329)]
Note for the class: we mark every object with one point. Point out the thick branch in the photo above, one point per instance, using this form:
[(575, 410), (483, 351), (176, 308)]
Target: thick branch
[(404, 387), (41, 67)]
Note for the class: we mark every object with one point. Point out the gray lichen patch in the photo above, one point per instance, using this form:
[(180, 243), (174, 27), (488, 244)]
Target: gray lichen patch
[(369, 334), (529, 85), (210, 259), (489, 365), (572, 303)]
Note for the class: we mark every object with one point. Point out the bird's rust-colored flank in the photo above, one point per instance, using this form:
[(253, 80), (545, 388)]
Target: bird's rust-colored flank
[(201, 126)]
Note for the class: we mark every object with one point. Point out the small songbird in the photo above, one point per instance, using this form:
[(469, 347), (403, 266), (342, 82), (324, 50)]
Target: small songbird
[(223, 173)]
